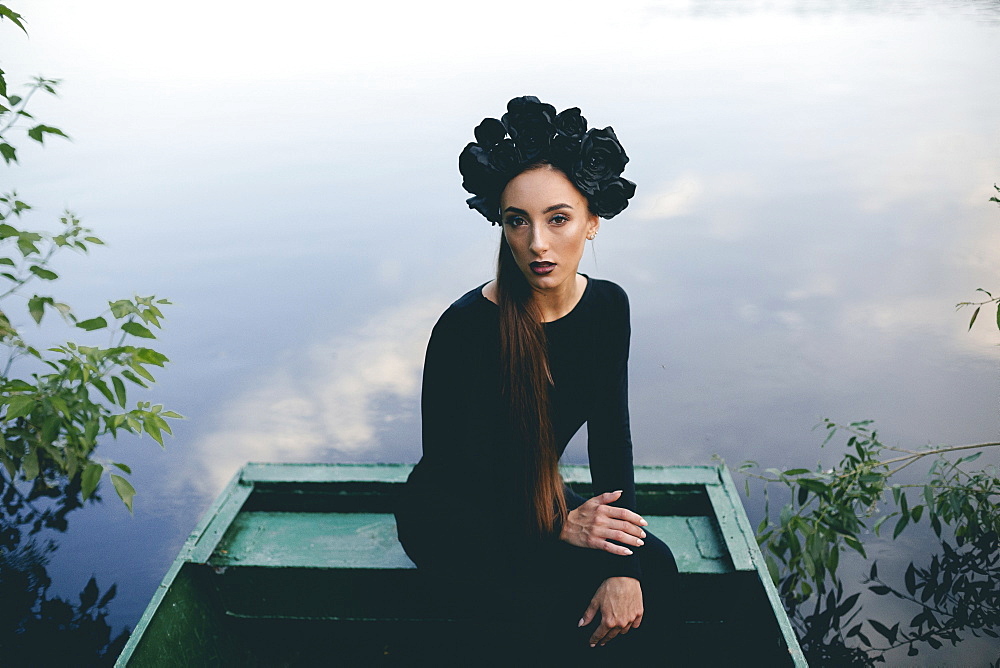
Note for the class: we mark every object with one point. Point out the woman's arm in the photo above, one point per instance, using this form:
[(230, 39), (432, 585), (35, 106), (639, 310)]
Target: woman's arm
[(609, 435)]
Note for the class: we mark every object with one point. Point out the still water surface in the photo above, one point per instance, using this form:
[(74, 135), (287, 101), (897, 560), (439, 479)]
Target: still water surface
[(813, 185)]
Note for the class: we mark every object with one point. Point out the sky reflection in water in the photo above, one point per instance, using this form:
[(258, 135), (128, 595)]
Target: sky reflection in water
[(812, 197)]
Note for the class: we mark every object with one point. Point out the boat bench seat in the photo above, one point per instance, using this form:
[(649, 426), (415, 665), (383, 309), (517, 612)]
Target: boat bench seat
[(279, 563)]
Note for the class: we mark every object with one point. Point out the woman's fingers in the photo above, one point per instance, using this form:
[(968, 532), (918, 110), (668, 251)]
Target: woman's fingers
[(626, 515), (588, 614), (608, 546), (632, 530)]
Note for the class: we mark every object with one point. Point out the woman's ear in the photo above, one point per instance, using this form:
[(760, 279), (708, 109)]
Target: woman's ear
[(593, 225)]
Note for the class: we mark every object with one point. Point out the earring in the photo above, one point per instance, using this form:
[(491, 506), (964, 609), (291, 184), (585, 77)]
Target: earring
[(591, 236)]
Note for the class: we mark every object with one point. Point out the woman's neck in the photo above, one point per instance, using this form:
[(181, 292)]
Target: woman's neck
[(556, 303), (551, 304)]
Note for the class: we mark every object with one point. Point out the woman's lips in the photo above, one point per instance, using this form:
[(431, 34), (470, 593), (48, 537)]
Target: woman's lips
[(542, 268)]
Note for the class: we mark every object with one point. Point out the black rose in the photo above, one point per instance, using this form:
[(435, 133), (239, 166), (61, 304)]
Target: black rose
[(531, 124), (477, 175), (564, 152), (504, 158), (601, 159), (569, 123), (613, 198), (490, 132), (488, 206)]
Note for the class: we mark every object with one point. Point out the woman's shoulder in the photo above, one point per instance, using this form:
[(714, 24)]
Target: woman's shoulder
[(471, 310), (606, 295)]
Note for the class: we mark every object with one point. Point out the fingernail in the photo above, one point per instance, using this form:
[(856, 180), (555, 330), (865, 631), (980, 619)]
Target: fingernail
[(644, 523), (628, 551), (640, 543), (617, 491), (592, 645), (580, 623), (643, 534)]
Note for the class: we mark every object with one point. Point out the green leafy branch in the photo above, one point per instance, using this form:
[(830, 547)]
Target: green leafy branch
[(52, 420), (13, 111), (829, 510)]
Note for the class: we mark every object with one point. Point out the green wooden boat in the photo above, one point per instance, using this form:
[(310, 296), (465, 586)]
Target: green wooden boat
[(298, 564)]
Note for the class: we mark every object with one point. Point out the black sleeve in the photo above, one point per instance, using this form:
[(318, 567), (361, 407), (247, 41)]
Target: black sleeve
[(441, 489), (609, 436)]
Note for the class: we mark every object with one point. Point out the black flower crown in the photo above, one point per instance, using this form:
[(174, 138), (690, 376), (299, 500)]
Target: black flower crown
[(532, 132)]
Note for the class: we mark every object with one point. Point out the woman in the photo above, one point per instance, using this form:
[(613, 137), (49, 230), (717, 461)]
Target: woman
[(513, 369)]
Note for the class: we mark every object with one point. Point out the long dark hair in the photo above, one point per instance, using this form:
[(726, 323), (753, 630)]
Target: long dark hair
[(525, 384)]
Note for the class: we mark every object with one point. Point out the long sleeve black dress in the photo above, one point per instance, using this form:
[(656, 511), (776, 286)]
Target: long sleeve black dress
[(455, 516)]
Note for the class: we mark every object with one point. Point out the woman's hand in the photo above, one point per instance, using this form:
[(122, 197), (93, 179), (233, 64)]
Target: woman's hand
[(619, 602), (595, 523)]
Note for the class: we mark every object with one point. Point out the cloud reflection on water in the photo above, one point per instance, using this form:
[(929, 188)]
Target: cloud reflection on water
[(330, 395)]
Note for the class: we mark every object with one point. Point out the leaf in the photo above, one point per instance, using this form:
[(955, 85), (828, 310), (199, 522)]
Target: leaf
[(89, 479), (121, 308), (123, 467), (970, 458), (19, 406), (900, 525), (119, 390), (88, 596), (848, 603), (29, 464), (8, 153), (881, 590), (128, 375), (873, 573), (108, 595), (44, 274), (124, 489), (36, 307), (15, 18), (856, 545), (796, 471), (92, 324), (39, 131), (975, 314), (178, 416), (135, 329), (102, 387), (911, 579), (998, 315), (883, 630)]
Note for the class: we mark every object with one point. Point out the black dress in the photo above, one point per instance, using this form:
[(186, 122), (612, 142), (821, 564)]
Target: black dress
[(456, 517)]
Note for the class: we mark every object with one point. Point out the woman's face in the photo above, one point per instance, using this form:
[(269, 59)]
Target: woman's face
[(546, 221)]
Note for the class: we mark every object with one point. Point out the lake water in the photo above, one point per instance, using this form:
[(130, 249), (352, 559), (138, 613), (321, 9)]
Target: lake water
[(813, 184)]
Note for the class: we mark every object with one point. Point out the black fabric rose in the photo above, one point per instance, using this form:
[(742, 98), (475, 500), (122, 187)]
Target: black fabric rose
[(504, 158), (530, 123), (613, 198), (486, 206), (490, 132), (569, 123), (601, 159), (477, 175)]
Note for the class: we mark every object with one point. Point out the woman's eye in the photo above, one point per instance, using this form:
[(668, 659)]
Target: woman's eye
[(560, 219), (516, 221)]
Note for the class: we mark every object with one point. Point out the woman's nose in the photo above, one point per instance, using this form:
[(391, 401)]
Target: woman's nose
[(539, 241)]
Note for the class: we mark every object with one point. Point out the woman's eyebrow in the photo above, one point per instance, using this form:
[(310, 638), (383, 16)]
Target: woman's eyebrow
[(514, 209)]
